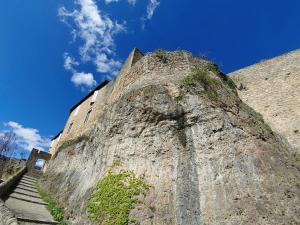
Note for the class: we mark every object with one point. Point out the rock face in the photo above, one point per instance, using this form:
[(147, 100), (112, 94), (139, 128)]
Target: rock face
[(272, 88), (209, 158)]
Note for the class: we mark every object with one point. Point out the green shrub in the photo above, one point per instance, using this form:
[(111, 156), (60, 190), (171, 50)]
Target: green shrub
[(162, 55), (56, 211), (115, 195), (71, 143)]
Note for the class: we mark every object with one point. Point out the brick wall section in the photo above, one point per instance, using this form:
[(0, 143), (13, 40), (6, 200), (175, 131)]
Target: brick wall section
[(272, 88)]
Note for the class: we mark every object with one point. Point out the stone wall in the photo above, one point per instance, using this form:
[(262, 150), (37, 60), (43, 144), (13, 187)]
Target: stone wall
[(79, 125), (208, 157), (6, 185), (272, 88), (6, 215)]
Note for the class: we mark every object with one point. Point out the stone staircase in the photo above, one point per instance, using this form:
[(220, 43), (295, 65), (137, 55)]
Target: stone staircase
[(26, 203)]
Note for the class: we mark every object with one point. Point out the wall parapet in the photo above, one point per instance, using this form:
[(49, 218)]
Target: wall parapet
[(6, 185)]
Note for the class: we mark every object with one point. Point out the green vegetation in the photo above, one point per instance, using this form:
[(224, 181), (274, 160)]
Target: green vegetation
[(56, 211), (237, 79), (71, 143), (18, 168), (226, 79), (162, 55), (211, 86), (200, 76), (115, 195)]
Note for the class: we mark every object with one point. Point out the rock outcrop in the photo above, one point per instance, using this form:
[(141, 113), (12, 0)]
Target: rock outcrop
[(178, 122)]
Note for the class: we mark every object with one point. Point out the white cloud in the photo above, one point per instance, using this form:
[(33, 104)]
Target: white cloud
[(83, 79), (131, 2), (28, 138), (153, 4), (110, 1), (69, 62), (97, 32)]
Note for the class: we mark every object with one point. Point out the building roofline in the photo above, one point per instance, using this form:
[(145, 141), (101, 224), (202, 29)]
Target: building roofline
[(57, 135), (101, 85)]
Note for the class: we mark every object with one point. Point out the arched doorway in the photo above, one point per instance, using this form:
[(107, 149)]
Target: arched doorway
[(37, 162)]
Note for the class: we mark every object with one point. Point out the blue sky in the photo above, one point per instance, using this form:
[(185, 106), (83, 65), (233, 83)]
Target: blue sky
[(52, 52)]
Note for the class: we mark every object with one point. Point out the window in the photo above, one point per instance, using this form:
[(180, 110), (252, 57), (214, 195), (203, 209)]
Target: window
[(70, 127), (87, 116), (94, 97)]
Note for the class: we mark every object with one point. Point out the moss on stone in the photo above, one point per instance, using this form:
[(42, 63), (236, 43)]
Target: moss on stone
[(162, 55), (226, 79), (200, 76), (115, 195), (71, 143)]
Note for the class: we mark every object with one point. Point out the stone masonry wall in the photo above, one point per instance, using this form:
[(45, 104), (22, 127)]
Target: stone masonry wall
[(80, 127), (272, 88), (207, 156)]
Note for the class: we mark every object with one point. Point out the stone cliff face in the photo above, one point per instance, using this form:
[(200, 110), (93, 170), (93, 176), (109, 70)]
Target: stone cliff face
[(179, 123)]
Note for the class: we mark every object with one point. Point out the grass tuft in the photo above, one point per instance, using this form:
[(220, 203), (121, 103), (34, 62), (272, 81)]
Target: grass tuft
[(56, 211)]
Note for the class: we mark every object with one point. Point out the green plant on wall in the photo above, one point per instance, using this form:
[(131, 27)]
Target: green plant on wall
[(71, 143), (115, 195), (162, 55), (56, 211), (200, 76)]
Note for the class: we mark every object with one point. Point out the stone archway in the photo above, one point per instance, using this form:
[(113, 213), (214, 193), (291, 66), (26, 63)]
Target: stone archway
[(34, 156)]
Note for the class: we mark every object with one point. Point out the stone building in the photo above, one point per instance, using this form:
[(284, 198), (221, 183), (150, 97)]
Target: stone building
[(272, 88), (84, 114)]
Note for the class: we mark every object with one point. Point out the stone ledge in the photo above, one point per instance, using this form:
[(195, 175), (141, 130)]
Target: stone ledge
[(6, 216)]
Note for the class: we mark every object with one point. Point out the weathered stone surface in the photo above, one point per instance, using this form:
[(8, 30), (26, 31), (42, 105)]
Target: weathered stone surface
[(26, 204), (272, 88), (209, 158)]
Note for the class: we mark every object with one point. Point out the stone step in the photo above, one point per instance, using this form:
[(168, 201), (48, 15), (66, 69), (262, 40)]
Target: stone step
[(27, 193), (33, 190), (28, 211), (27, 184), (34, 222), (30, 178), (27, 198)]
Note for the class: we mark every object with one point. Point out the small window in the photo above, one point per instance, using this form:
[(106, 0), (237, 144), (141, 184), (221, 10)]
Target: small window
[(70, 127), (87, 116), (94, 97)]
